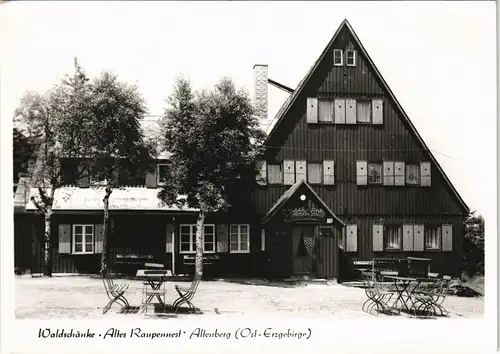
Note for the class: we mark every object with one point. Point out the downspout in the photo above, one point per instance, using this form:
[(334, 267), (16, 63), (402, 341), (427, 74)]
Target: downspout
[(173, 247)]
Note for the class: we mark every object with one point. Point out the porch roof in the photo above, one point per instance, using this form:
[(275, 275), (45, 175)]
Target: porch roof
[(289, 193), (129, 198)]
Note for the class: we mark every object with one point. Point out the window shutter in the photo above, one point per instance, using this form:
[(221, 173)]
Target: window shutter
[(339, 111), (64, 238), (288, 172), (378, 111), (407, 237), (388, 173), (328, 172), (223, 238), (151, 178), (169, 238), (362, 173), (312, 110), (300, 170), (84, 178), (351, 238), (399, 173), (418, 237), (425, 174), (261, 176), (378, 238), (262, 239), (447, 236), (350, 111), (99, 236)]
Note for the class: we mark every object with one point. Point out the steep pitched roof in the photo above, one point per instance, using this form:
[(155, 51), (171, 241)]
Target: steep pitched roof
[(293, 97)]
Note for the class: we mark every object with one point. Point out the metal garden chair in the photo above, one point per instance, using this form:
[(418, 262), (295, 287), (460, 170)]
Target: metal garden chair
[(377, 297), (433, 299), (186, 295), (115, 292)]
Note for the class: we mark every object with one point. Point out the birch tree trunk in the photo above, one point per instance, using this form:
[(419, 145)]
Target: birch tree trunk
[(105, 229), (199, 242), (47, 259)]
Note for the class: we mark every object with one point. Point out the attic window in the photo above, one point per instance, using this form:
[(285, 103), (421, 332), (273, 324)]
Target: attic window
[(351, 57), (338, 57)]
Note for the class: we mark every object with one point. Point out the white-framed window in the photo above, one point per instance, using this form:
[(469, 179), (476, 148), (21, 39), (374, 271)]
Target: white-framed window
[(393, 237), (412, 174), (374, 173), (432, 237), (363, 111), (338, 57), (188, 238), (274, 174), (351, 57), (325, 110), (315, 173), (161, 173), (239, 236), (83, 239)]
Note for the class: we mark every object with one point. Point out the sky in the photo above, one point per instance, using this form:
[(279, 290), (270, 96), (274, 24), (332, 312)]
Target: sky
[(439, 59)]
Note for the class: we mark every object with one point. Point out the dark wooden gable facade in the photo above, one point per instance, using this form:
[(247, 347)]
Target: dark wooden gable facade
[(333, 136)]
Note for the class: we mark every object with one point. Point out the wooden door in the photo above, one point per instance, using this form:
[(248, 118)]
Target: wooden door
[(279, 253), (302, 249)]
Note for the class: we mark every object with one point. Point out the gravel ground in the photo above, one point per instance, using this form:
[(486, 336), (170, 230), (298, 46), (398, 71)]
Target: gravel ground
[(76, 297)]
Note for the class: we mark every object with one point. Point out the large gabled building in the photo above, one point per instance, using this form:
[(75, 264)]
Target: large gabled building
[(345, 176)]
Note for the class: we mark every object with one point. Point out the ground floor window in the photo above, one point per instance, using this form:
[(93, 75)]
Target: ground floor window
[(188, 238), (432, 235), (83, 239), (393, 237), (240, 239)]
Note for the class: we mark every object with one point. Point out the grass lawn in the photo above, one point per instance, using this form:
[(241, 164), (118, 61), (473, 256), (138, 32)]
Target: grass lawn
[(75, 297)]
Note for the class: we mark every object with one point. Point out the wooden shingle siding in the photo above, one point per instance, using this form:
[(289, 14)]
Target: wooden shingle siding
[(312, 110), (288, 172)]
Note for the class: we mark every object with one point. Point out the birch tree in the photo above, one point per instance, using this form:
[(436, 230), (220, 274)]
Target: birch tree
[(214, 138)]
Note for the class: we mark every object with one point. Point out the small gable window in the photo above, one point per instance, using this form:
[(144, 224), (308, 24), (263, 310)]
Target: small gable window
[(351, 58), (374, 173), (338, 57), (363, 111), (412, 174), (325, 110)]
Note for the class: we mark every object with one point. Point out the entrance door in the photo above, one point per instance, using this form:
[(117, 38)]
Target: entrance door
[(302, 249)]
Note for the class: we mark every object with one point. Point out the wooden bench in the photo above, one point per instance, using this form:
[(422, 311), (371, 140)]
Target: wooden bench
[(115, 292), (186, 295)]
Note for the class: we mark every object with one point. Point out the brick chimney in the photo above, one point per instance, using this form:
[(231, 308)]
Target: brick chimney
[(260, 93)]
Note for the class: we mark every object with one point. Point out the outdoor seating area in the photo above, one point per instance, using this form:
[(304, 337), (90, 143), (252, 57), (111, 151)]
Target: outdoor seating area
[(154, 290), (395, 285), (84, 297)]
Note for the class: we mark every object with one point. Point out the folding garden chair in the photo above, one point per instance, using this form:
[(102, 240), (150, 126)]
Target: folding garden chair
[(114, 291)]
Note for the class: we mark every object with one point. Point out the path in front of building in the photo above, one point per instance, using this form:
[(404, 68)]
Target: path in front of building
[(74, 297)]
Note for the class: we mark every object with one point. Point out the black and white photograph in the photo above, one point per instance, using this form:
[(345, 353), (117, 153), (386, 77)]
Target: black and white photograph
[(251, 173)]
